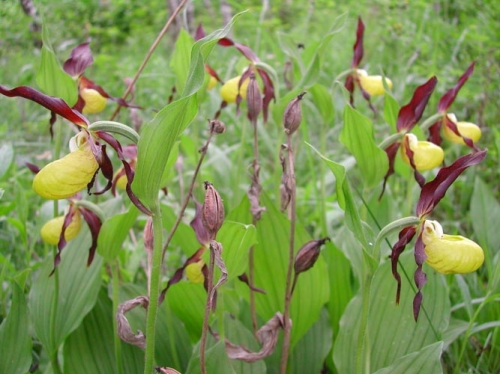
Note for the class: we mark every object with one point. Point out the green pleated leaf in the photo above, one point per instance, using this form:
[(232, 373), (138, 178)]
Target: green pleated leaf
[(184, 236), (357, 136), (181, 58), (217, 361), (392, 332), (78, 290), (271, 261), (427, 360), (236, 239), (15, 337), (322, 98), (114, 231), (159, 136), (51, 78), (90, 348), (345, 199), (310, 352), (188, 301), (391, 110)]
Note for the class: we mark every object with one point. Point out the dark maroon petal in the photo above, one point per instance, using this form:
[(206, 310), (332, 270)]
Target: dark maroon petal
[(80, 59), (435, 133), (54, 104), (68, 218), (178, 273), (115, 144), (129, 151), (201, 232), (349, 85), (243, 278), (411, 113), (245, 50), (106, 167), (52, 121), (417, 302), (94, 224), (89, 84), (358, 46), (405, 236), (212, 73), (434, 191), (409, 153), (449, 97), (268, 92), (33, 168), (200, 32), (391, 151), (420, 277)]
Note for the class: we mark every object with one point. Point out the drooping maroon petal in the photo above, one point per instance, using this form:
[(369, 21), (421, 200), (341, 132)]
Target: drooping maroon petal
[(80, 58), (420, 277), (409, 153), (246, 75), (434, 191), (68, 218), (94, 223), (106, 167), (244, 278), (411, 113), (391, 151), (435, 133), (180, 271), (54, 104), (358, 45), (201, 232), (453, 127), (268, 92), (213, 73), (349, 85), (199, 33), (115, 144), (33, 168), (449, 97), (245, 50), (85, 83), (405, 236)]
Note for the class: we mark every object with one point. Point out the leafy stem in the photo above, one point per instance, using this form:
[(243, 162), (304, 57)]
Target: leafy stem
[(208, 307)]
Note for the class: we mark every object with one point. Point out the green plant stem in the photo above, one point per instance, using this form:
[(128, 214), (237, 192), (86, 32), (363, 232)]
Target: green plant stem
[(342, 75), (54, 362), (148, 55), (390, 140), (287, 328), (206, 317), (430, 121), (154, 289), (115, 274)]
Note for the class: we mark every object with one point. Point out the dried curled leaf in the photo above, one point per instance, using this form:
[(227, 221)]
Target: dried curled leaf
[(268, 337), (124, 331), (216, 249)]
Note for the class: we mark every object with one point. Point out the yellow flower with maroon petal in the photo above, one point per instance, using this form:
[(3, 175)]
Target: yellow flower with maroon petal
[(373, 84), (94, 101), (51, 230), (69, 175), (450, 254), (229, 90), (426, 155), (194, 272), (466, 129)]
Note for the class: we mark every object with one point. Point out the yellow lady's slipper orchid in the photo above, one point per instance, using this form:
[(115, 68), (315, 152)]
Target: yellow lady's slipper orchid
[(450, 254), (94, 101), (373, 84), (467, 129), (229, 90), (194, 273), (65, 177), (51, 231), (426, 155)]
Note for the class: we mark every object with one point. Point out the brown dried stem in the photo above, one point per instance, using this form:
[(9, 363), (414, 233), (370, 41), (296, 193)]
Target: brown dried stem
[(208, 307)]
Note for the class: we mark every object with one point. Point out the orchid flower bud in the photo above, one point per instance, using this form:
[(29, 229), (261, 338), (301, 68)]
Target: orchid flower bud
[(65, 177), (212, 214), (450, 254), (94, 101), (293, 114), (229, 91), (466, 129), (373, 84), (426, 155), (51, 230), (194, 272), (212, 81)]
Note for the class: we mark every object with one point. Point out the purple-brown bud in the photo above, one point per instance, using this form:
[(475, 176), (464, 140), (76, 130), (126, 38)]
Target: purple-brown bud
[(216, 126), (293, 115), (307, 255), (212, 214), (254, 99)]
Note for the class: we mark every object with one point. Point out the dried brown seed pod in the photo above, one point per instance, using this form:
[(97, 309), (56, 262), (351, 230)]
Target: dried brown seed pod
[(254, 99), (293, 115), (216, 126), (212, 214), (307, 255)]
